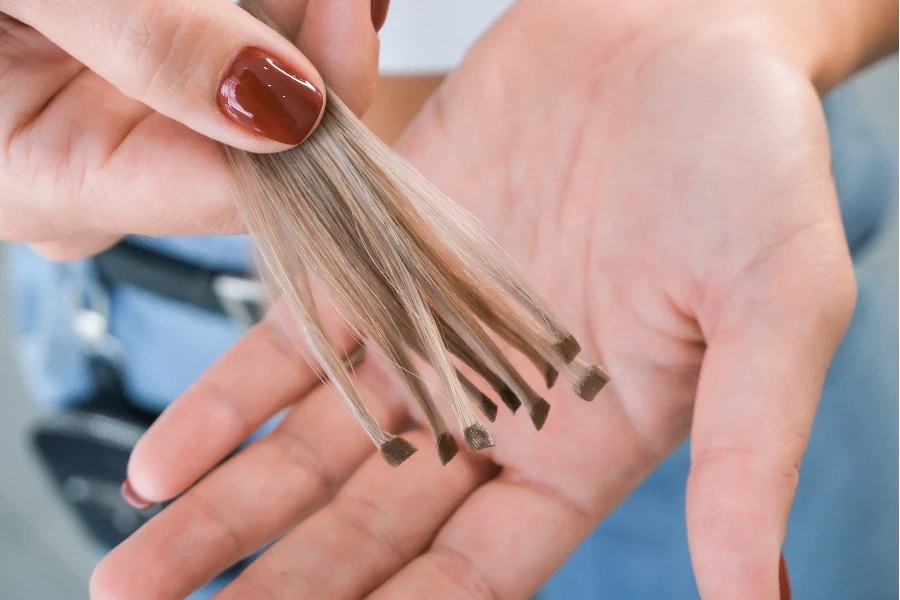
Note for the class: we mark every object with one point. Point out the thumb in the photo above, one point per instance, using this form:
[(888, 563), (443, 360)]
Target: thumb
[(205, 63), (758, 392)]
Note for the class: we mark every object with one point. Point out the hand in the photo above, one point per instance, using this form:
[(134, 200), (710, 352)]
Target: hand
[(665, 182), (109, 110)]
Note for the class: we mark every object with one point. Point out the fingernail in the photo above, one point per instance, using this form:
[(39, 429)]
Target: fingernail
[(379, 13), (263, 95), (132, 497), (784, 582)]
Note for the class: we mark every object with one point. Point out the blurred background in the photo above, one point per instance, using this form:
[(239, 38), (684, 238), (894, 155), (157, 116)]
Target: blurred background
[(44, 556)]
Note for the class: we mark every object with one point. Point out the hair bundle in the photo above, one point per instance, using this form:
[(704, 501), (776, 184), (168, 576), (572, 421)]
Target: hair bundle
[(411, 272)]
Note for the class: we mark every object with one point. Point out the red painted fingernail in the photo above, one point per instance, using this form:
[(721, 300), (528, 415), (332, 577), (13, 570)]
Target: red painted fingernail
[(379, 13), (784, 582), (262, 94), (132, 497)]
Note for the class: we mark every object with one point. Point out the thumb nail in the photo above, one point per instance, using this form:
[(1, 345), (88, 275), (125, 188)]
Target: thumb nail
[(784, 582), (133, 498), (264, 95)]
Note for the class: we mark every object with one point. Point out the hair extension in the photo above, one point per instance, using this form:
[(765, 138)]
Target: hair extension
[(409, 270)]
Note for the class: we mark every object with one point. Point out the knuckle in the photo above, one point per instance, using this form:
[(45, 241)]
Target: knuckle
[(367, 81), (774, 474), (365, 98), (16, 42), (810, 276), (461, 573), (161, 42), (46, 190), (211, 519), (846, 293), (273, 335), (224, 411), (248, 587), (363, 515), (300, 457), (832, 291)]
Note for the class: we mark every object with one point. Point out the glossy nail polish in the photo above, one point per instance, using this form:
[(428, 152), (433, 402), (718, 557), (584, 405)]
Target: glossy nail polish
[(262, 94), (379, 13), (784, 582), (132, 497)]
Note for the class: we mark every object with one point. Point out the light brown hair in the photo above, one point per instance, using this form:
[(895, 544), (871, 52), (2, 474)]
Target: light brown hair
[(411, 272)]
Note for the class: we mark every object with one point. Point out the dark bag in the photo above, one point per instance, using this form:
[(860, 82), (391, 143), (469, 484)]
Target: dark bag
[(85, 448)]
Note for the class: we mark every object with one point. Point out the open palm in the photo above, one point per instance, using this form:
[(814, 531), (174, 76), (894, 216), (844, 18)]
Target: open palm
[(669, 191)]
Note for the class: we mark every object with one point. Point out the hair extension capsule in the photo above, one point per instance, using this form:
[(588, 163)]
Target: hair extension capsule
[(412, 274)]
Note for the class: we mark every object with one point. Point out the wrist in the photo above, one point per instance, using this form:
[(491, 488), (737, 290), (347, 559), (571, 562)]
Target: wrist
[(825, 40), (829, 40)]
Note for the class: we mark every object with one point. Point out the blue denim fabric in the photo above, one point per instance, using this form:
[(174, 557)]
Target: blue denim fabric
[(166, 344), (842, 540)]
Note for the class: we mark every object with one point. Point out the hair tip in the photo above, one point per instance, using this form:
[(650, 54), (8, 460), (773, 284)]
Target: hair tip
[(396, 450), (568, 348), (511, 401), (590, 384), (489, 408), (550, 376), (478, 437), (355, 357), (540, 408), (447, 447)]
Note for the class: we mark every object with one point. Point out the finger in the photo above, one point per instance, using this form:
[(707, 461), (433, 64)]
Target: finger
[(120, 171), (32, 69), (248, 501), (758, 392), (503, 542), (209, 65), (515, 531), (260, 375), (378, 522), (341, 38)]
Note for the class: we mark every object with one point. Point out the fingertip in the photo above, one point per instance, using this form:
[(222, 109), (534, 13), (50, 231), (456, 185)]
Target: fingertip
[(265, 96), (118, 576), (341, 40), (133, 498), (147, 481), (98, 587), (105, 582)]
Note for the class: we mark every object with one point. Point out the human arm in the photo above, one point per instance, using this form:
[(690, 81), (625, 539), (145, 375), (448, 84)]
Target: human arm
[(664, 177)]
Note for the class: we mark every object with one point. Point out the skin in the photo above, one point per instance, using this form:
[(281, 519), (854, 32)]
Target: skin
[(74, 179), (672, 198)]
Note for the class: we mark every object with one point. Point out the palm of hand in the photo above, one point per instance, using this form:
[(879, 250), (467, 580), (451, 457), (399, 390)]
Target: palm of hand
[(674, 200), (678, 211)]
